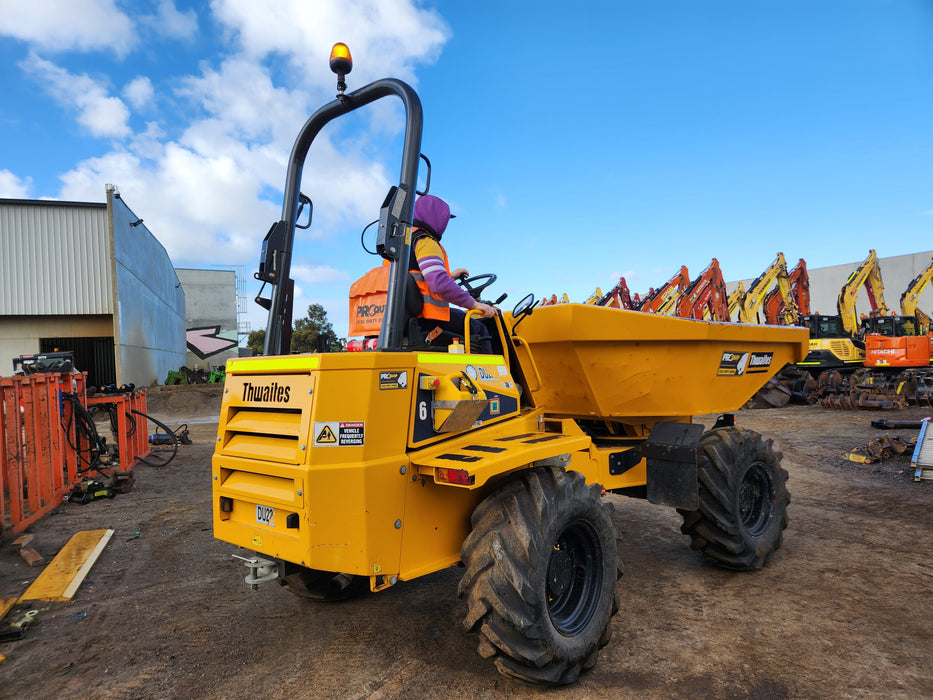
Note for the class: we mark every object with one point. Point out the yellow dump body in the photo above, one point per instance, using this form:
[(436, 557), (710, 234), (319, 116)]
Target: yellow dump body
[(592, 362)]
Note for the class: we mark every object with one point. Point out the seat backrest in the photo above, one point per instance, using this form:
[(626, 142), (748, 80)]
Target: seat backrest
[(414, 302)]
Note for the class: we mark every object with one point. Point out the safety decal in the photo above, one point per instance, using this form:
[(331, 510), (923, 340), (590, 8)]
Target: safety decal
[(732, 364), (735, 364), (339, 433), (393, 380), (494, 407)]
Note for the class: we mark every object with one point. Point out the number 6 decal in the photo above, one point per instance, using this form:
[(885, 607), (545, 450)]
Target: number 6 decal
[(423, 410)]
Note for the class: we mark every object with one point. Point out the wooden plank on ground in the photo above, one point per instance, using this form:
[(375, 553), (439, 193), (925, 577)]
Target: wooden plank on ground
[(63, 575)]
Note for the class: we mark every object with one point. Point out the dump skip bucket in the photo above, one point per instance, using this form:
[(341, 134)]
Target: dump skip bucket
[(596, 362)]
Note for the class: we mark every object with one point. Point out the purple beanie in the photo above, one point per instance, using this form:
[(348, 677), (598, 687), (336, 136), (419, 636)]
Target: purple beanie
[(432, 213)]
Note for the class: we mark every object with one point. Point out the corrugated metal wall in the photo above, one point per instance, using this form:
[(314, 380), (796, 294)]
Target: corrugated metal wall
[(55, 259)]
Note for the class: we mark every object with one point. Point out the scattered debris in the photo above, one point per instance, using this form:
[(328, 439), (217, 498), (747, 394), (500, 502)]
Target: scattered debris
[(24, 545), (885, 424), (880, 449)]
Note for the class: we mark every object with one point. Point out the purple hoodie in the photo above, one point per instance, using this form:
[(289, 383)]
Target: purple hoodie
[(433, 214)]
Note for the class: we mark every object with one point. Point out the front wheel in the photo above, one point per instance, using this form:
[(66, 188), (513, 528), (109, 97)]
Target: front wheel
[(540, 576), (743, 499)]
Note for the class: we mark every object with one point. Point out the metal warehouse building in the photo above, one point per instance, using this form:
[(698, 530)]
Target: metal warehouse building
[(91, 279)]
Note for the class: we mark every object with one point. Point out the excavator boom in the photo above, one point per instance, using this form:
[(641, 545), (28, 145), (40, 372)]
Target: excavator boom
[(619, 297), (754, 298), (869, 275), (911, 295), (662, 299), (705, 297)]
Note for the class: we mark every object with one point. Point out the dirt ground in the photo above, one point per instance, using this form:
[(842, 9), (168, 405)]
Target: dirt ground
[(844, 609)]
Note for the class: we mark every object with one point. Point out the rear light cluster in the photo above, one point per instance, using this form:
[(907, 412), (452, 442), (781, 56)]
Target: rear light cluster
[(454, 476)]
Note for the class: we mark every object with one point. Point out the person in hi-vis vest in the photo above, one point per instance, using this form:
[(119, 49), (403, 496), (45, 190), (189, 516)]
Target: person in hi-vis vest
[(435, 280)]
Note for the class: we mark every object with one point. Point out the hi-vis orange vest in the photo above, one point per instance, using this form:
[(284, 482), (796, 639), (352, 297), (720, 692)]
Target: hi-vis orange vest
[(434, 307)]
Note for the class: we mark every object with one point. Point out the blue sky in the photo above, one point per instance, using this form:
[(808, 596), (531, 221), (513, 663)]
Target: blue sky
[(575, 142)]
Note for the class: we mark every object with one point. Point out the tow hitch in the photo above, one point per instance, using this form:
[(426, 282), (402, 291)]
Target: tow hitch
[(260, 570)]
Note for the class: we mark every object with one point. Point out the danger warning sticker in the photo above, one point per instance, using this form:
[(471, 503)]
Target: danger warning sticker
[(339, 433)]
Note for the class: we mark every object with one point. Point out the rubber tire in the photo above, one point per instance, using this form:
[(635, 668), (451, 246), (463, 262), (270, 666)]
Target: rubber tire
[(743, 500), (324, 586), (509, 557)]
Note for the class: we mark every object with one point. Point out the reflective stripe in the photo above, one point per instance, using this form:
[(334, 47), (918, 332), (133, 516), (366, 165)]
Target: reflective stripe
[(456, 358)]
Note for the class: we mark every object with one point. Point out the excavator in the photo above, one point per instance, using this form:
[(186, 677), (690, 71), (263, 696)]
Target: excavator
[(834, 340), (346, 473), (897, 367), (663, 299), (705, 297), (774, 306), (753, 299), (901, 340)]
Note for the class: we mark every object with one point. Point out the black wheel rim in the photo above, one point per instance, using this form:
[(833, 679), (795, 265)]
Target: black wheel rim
[(756, 499), (574, 578)]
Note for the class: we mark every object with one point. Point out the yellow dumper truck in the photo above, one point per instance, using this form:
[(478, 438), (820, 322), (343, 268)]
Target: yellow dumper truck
[(349, 472)]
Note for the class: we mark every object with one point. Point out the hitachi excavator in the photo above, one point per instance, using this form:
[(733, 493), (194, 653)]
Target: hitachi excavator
[(775, 309), (834, 340), (897, 368), (903, 340), (346, 473), (755, 296), (705, 297), (663, 299)]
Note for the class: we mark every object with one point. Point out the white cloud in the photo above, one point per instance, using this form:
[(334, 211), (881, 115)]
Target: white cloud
[(318, 274), (101, 114), (13, 187), (84, 25), (169, 22), (386, 37), (139, 92), (209, 183)]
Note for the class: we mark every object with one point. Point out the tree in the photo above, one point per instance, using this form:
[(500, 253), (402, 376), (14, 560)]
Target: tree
[(256, 341), (314, 333)]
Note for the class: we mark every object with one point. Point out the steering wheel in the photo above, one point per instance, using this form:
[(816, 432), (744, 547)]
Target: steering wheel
[(469, 284)]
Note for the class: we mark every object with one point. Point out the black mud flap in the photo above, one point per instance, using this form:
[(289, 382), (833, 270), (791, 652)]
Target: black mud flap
[(671, 463)]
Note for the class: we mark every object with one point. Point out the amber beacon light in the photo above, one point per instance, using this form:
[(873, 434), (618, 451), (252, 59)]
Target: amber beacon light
[(341, 63)]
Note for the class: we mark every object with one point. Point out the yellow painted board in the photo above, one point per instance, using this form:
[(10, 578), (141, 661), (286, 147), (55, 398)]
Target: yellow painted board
[(67, 570)]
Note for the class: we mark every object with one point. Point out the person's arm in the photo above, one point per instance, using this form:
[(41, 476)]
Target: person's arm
[(431, 262)]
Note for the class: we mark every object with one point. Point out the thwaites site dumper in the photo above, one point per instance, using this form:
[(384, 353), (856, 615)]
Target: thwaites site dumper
[(353, 471)]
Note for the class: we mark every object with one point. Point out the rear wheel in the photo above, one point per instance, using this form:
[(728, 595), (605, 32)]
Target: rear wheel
[(323, 585), (743, 499), (540, 576)]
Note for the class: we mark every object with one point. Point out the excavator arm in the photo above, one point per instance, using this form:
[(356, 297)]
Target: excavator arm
[(619, 297), (754, 298), (776, 313), (663, 299), (705, 297), (911, 295), (869, 275), (734, 302)]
